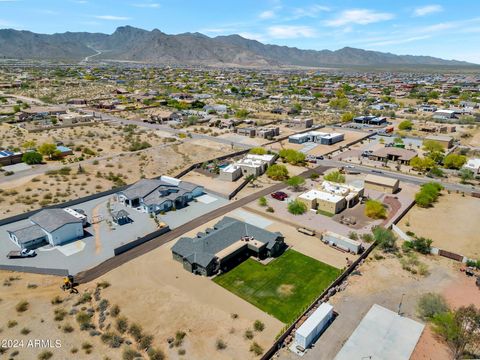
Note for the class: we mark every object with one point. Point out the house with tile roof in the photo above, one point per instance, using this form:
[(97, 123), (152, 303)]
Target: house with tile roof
[(226, 245), (153, 196)]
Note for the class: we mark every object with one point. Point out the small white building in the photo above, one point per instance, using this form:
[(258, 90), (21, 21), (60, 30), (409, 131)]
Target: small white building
[(312, 328), (341, 242), (316, 137), (251, 164), (473, 165)]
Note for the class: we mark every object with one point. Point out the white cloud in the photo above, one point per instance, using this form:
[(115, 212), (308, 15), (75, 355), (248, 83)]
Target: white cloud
[(427, 10), (112, 17), (290, 32), (309, 11), (359, 17), (268, 14), (147, 5), (398, 41)]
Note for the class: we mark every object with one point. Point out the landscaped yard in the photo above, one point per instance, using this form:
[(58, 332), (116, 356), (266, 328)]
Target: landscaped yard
[(284, 287)]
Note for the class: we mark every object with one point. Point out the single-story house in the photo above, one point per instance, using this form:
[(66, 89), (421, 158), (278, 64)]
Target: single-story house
[(393, 154), (52, 226), (154, 196), (229, 242), (255, 165), (381, 183), (316, 137), (445, 141)]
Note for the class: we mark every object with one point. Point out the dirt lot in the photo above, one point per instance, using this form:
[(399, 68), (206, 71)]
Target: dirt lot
[(350, 136), (171, 299), (383, 282), (39, 318), (25, 194), (452, 224)]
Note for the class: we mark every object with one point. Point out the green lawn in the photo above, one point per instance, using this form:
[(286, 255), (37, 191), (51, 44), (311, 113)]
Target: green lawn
[(284, 287)]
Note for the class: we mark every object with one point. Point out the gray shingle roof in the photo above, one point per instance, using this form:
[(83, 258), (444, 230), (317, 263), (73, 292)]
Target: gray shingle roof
[(148, 189), (28, 234), (202, 249), (53, 219)]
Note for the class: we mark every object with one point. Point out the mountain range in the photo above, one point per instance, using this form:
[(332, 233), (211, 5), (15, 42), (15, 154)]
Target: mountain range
[(132, 44)]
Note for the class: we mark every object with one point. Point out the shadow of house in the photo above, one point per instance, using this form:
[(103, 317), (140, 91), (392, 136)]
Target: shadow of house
[(229, 243)]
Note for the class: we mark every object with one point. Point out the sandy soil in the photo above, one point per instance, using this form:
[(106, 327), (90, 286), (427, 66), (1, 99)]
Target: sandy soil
[(212, 183), (39, 319), (451, 224), (169, 299), (45, 189)]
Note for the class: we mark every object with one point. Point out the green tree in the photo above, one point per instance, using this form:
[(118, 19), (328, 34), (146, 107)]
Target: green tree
[(32, 157), (375, 209), (296, 207), (432, 146), (292, 156), (48, 149), (335, 176), (454, 161), (241, 114), (277, 172), (28, 145), (385, 238), (258, 151), (460, 329), (296, 182), (347, 116), (262, 201), (405, 125)]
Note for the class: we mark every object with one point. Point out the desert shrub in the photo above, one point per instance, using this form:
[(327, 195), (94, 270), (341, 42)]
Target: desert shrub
[(122, 324), (12, 323), (431, 304), (428, 194), (248, 334), (256, 349), (103, 284), (220, 344), (136, 331), (296, 207), (86, 297), (103, 305), (130, 354), (67, 328), (155, 354), (45, 355), (179, 336), (84, 320), (262, 201), (25, 331), (56, 300), (114, 310), (87, 347), (145, 342), (420, 244), (59, 314), (112, 339), (22, 306), (74, 350), (258, 326)]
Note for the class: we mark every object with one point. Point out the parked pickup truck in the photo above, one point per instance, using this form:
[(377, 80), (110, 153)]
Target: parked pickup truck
[(21, 254)]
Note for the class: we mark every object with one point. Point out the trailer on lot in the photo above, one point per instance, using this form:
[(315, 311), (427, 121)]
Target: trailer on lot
[(342, 242), (312, 328)]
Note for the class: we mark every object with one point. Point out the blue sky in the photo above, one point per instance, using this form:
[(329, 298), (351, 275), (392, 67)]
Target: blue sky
[(447, 29)]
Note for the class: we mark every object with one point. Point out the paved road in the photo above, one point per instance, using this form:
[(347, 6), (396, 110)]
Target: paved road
[(417, 180), (112, 263)]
